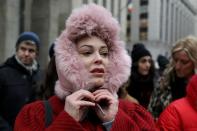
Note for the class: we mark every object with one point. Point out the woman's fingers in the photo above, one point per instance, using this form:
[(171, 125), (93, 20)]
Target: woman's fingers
[(83, 95), (103, 94)]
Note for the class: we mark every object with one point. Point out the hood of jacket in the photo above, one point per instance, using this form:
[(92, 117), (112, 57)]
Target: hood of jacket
[(89, 20), (192, 91)]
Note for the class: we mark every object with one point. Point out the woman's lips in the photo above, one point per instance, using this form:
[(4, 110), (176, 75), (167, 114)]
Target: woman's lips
[(98, 71)]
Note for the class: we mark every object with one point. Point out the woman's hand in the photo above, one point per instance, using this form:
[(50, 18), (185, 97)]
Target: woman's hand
[(109, 104), (77, 104)]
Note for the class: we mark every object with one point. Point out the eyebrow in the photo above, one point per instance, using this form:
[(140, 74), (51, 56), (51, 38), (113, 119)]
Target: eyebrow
[(85, 46)]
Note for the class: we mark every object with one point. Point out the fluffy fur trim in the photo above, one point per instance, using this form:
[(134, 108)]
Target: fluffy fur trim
[(91, 20)]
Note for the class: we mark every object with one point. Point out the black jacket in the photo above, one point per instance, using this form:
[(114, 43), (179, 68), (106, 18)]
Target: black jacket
[(4, 126), (17, 88)]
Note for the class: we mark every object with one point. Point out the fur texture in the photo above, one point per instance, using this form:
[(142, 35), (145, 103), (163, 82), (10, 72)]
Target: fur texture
[(90, 20)]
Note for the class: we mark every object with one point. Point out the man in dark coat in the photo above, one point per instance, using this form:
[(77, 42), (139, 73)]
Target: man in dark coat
[(19, 78)]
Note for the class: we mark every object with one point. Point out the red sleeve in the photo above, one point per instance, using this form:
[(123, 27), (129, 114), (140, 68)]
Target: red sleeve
[(32, 118), (169, 119), (133, 117)]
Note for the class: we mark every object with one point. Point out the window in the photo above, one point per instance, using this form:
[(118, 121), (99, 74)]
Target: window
[(143, 2), (144, 15)]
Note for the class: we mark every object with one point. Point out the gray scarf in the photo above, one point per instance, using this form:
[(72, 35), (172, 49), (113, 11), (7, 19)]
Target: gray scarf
[(30, 68)]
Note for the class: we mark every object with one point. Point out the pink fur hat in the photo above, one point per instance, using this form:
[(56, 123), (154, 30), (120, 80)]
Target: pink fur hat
[(89, 20)]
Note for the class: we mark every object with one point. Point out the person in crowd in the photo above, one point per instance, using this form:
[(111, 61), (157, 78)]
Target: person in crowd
[(162, 62), (181, 115), (182, 66), (20, 77), (142, 75), (92, 63), (47, 87)]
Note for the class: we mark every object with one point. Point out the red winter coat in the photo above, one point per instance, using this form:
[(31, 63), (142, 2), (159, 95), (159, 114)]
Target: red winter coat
[(181, 115), (130, 117)]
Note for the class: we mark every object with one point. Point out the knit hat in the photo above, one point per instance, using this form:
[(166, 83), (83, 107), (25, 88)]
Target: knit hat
[(139, 50), (162, 61), (28, 36), (89, 20)]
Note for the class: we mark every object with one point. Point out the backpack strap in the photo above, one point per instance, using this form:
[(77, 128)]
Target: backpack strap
[(48, 113)]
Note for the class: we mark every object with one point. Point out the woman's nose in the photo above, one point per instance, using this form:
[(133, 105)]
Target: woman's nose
[(177, 65), (148, 64), (98, 58)]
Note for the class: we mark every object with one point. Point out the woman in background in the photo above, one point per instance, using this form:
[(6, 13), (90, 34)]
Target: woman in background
[(182, 67), (142, 75)]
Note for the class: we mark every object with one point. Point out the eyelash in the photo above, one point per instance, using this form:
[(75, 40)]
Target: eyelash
[(87, 53), (105, 54)]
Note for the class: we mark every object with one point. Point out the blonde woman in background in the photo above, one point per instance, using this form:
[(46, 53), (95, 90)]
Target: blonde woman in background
[(182, 67)]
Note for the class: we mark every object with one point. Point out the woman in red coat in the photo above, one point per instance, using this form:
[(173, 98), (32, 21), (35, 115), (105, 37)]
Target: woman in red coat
[(181, 115), (92, 64)]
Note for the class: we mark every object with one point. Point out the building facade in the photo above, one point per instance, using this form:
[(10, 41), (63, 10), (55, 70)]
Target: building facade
[(160, 23)]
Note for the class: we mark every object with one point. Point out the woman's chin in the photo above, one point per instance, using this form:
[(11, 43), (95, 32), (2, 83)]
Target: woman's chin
[(96, 84), (99, 82)]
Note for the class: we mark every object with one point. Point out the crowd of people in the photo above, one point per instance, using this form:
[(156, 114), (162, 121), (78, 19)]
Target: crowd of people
[(92, 83)]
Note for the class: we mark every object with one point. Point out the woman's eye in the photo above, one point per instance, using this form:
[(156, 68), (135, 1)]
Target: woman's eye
[(87, 53), (143, 61), (184, 62), (104, 54)]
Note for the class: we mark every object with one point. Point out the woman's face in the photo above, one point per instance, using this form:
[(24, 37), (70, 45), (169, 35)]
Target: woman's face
[(144, 65), (94, 54), (184, 67)]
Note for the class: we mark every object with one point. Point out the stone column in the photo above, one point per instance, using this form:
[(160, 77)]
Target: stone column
[(154, 20), (108, 5), (178, 25), (27, 15), (169, 18), (116, 9), (174, 22), (163, 20), (135, 21), (40, 25), (123, 17), (9, 24), (100, 2), (2, 29), (76, 3)]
